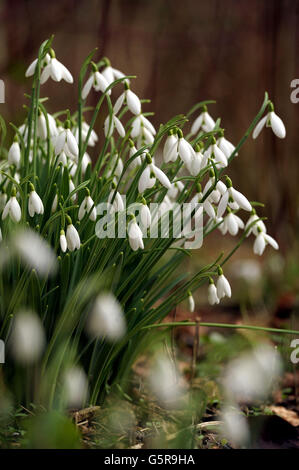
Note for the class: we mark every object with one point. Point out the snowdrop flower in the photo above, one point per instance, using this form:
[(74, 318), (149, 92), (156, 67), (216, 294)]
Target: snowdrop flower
[(75, 387), (145, 214), (225, 146), (97, 81), (214, 152), (86, 206), (231, 224), (12, 208), (35, 251), (148, 177), (235, 427), (273, 121), (232, 195), (206, 204), (135, 235), (170, 143), (261, 241), (129, 98), (27, 337), (72, 236), (251, 376), (191, 302), (54, 203), (197, 161), (93, 138), (132, 151), (165, 382), (14, 154), (259, 224), (212, 293), (67, 143), (42, 126), (111, 74), (143, 129), (118, 204), (176, 188), (86, 160), (31, 69), (63, 241), (35, 204), (71, 189), (112, 122), (223, 286), (106, 318), (56, 70), (204, 121)]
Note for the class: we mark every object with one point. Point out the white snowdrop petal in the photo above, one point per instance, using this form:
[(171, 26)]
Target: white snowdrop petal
[(223, 204), (196, 124), (133, 102), (259, 245), (119, 127), (258, 128), (118, 103), (241, 200), (161, 176), (277, 125), (271, 241), (87, 87), (31, 69)]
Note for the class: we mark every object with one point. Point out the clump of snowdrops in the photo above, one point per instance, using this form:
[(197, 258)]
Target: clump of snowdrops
[(75, 307)]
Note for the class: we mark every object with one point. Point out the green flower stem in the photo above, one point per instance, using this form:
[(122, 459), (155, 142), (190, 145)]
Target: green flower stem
[(221, 325)]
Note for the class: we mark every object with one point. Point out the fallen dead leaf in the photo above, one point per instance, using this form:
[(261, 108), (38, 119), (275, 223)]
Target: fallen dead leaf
[(288, 415)]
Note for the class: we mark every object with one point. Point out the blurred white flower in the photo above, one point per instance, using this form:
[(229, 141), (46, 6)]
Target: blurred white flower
[(169, 151), (31, 69), (251, 376), (235, 427), (27, 337), (75, 386), (111, 74), (165, 382), (145, 215), (215, 153), (106, 318), (35, 251), (259, 224), (191, 302)]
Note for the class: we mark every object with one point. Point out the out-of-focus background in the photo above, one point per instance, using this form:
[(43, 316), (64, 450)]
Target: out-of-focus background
[(182, 52)]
